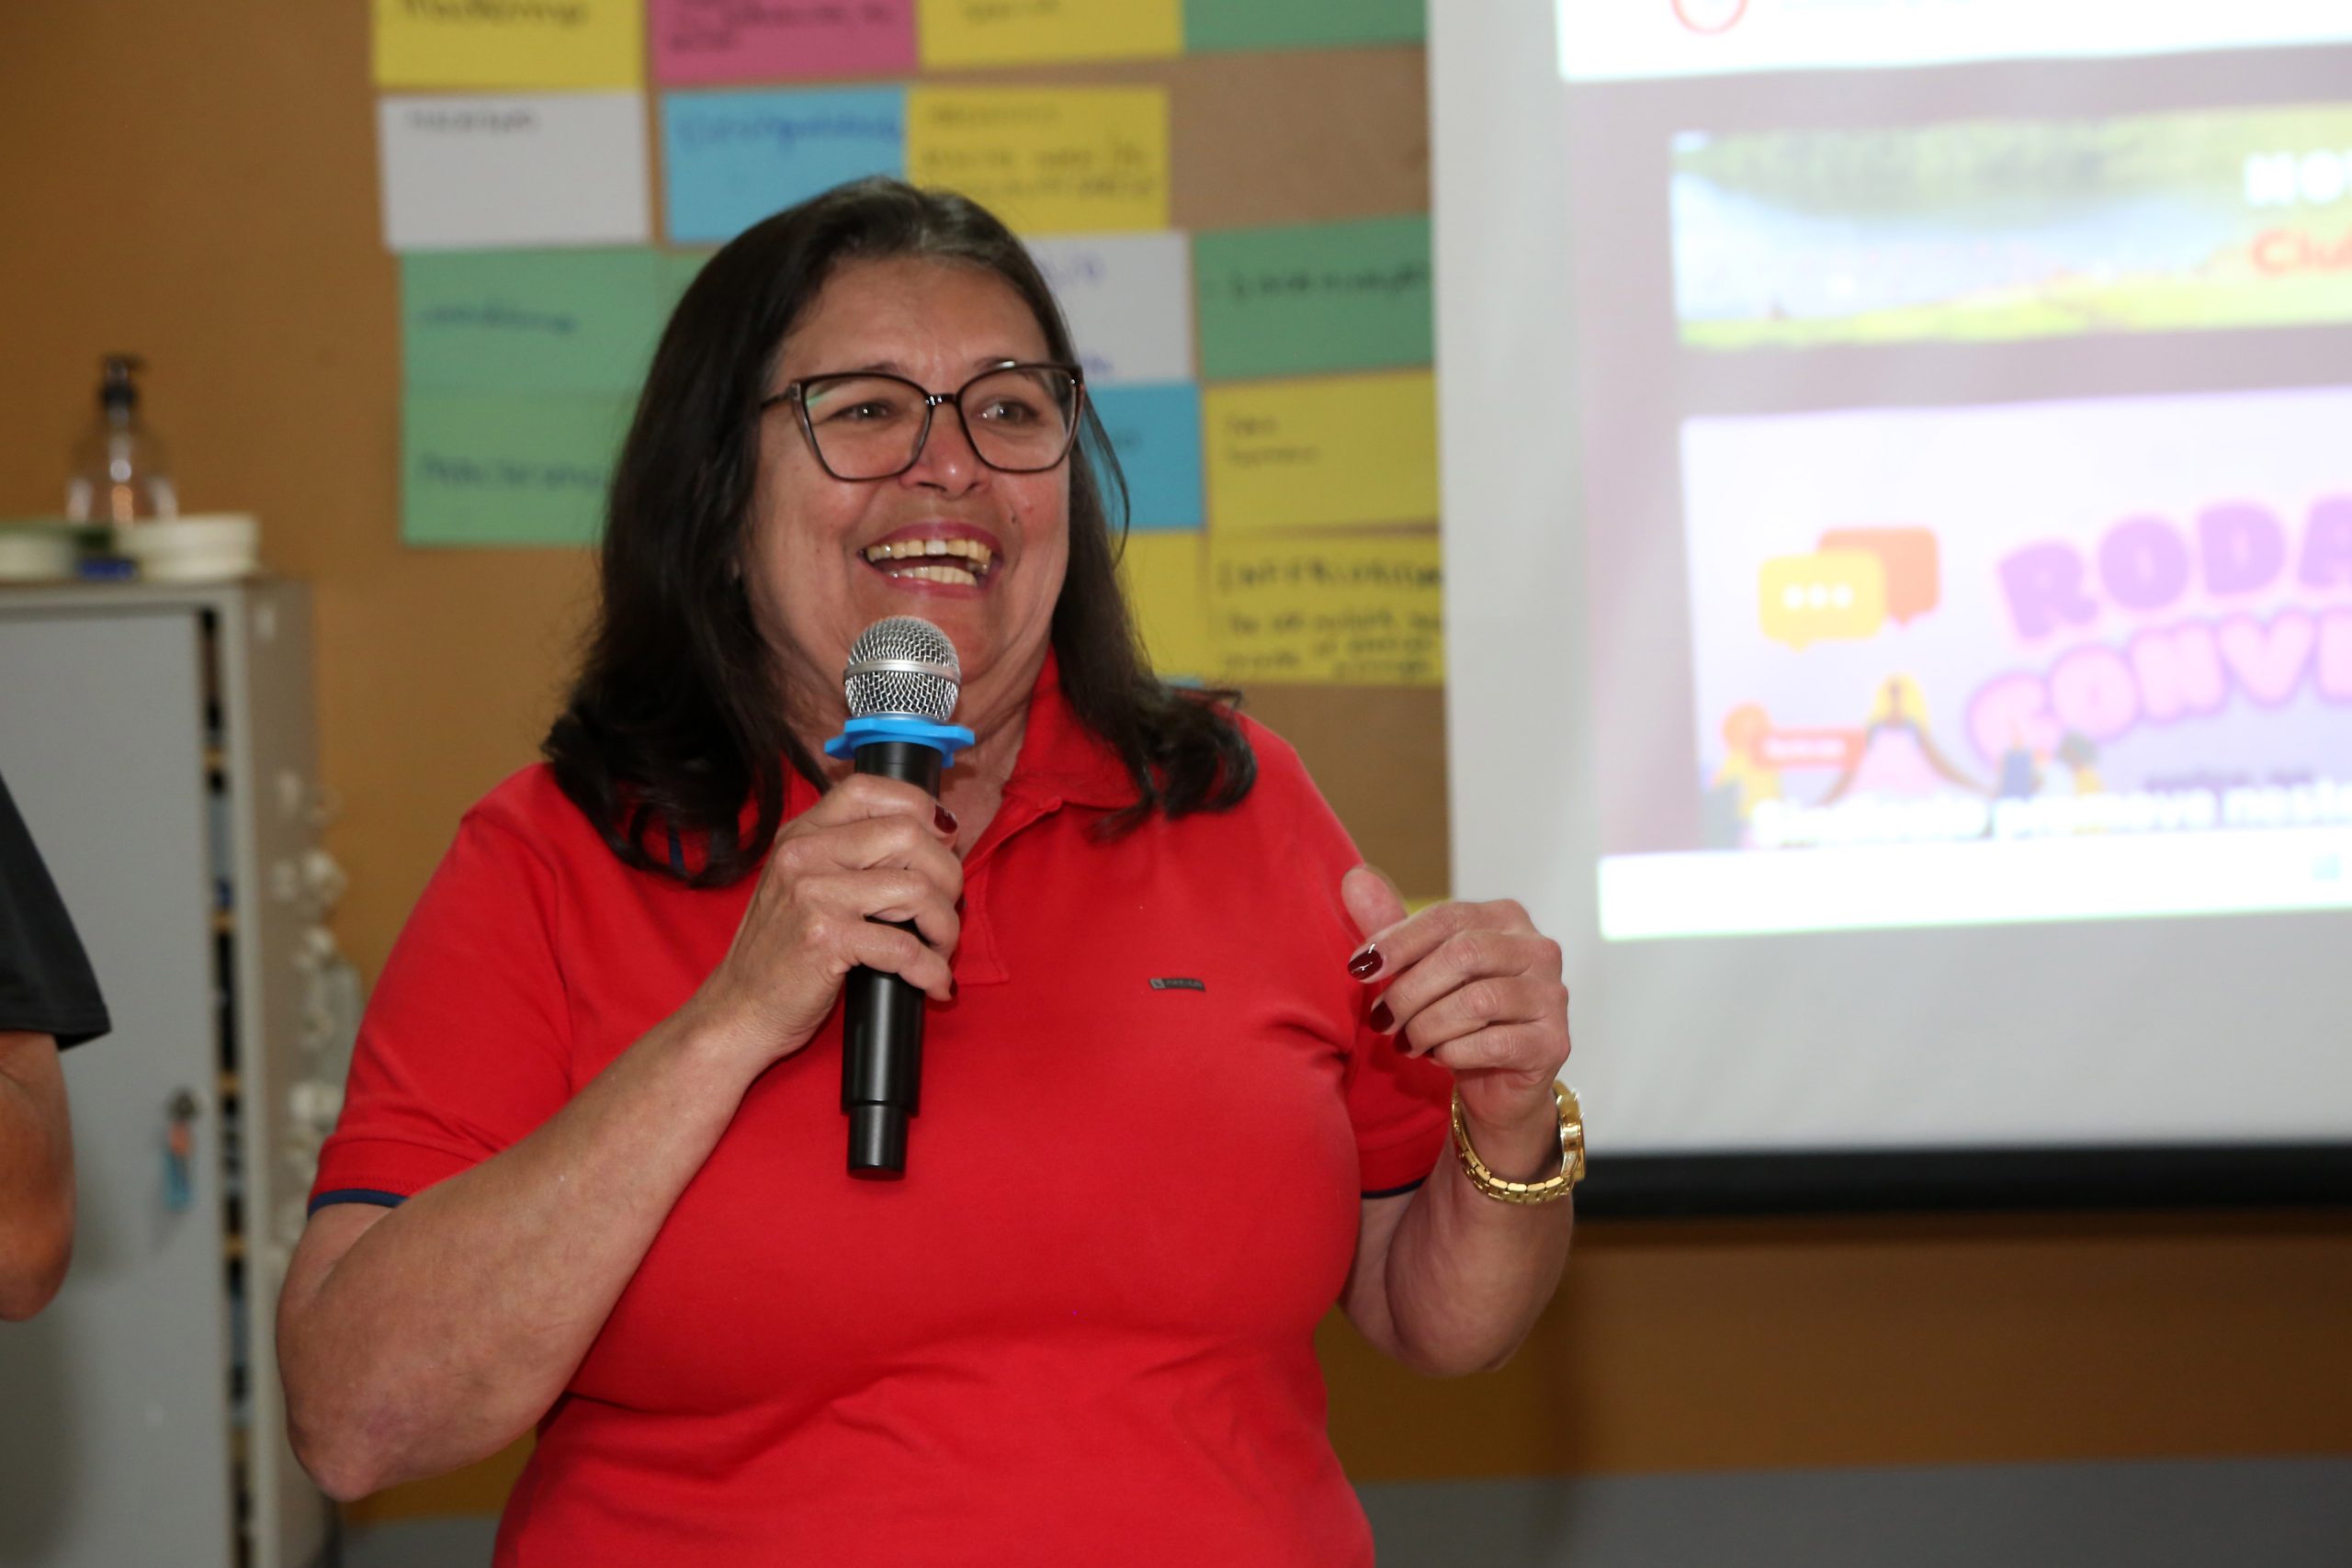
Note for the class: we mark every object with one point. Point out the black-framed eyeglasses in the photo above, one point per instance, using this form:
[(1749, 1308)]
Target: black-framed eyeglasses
[(865, 424)]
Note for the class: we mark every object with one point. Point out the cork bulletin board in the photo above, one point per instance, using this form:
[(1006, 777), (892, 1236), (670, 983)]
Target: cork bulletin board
[(1231, 200)]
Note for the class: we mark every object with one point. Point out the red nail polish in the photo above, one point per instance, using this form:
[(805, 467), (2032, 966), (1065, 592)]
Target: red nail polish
[(1382, 1019), (942, 820), (1365, 964)]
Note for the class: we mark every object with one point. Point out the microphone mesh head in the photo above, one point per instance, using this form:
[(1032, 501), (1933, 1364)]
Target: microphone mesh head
[(903, 664)]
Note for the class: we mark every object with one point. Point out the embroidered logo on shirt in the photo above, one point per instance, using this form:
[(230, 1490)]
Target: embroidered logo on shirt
[(1177, 983)]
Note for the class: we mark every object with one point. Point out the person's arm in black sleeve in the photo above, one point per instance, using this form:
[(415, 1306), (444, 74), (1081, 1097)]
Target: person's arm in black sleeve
[(48, 999)]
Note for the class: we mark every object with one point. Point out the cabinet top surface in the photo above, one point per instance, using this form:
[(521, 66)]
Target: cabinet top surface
[(51, 597)]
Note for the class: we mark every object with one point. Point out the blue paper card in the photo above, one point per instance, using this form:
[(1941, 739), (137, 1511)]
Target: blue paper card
[(730, 159), (1155, 429)]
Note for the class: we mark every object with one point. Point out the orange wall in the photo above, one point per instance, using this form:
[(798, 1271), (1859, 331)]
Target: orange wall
[(196, 183)]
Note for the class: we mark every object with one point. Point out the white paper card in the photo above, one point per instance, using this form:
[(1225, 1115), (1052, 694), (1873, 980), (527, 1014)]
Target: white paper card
[(1129, 300), (542, 169)]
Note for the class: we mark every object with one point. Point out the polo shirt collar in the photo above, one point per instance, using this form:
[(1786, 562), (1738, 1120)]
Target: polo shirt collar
[(1060, 758)]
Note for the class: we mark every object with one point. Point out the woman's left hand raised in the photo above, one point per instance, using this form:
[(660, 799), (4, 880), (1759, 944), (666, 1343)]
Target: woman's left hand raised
[(1476, 987)]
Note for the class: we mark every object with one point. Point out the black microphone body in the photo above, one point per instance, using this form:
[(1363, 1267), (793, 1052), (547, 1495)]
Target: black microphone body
[(881, 1015), (900, 688)]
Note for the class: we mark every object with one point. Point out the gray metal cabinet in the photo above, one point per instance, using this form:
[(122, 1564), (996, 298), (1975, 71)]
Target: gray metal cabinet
[(160, 742)]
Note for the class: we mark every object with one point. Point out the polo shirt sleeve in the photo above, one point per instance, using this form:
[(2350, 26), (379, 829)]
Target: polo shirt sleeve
[(1402, 1109), (464, 1044), (1400, 1106)]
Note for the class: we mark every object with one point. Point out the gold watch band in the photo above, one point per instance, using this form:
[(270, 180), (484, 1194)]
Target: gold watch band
[(1552, 1188)]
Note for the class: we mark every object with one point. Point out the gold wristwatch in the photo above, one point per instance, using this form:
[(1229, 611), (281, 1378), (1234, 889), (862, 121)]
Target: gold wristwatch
[(1555, 1186)]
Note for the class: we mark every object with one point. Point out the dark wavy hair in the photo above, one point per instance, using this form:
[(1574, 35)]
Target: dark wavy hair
[(676, 717)]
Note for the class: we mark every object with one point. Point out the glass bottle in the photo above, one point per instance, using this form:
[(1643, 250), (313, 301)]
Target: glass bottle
[(120, 473)]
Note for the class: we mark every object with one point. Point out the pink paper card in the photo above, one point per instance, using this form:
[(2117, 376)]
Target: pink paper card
[(700, 41)]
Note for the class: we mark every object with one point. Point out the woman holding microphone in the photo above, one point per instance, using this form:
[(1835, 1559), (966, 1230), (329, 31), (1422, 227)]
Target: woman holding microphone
[(1188, 1071)]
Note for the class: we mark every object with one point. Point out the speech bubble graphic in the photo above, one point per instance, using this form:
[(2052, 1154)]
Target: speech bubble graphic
[(1830, 595), (1750, 731), (1913, 575), (1837, 748)]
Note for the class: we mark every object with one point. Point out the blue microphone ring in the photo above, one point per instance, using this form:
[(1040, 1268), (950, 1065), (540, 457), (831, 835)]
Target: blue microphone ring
[(945, 739)]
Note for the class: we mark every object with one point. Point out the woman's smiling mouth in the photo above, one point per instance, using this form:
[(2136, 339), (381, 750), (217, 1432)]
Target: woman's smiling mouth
[(957, 562)]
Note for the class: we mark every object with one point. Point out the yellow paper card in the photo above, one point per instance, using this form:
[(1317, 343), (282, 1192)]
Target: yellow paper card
[(1321, 453), (510, 43), (1023, 32), (1163, 575), (1327, 609), (1048, 160)]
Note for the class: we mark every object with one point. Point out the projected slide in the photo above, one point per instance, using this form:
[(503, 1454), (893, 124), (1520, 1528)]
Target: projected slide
[(2001, 230), (1966, 459), (2065, 639), (1897, 482)]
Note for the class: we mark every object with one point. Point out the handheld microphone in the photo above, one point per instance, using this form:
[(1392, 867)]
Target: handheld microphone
[(902, 684)]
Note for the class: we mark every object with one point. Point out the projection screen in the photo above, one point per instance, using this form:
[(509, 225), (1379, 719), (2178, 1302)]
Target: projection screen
[(1897, 477)]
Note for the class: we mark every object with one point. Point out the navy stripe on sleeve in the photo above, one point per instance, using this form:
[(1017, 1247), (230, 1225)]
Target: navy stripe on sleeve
[(357, 1195), (1398, 1191)]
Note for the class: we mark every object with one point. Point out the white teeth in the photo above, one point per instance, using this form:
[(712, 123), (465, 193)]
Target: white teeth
[(955, 574), (972, 550)]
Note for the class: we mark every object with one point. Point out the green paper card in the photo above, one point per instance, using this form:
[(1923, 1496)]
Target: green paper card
[(1308, 298), (1299, 24), (531, 321), (503, 468)]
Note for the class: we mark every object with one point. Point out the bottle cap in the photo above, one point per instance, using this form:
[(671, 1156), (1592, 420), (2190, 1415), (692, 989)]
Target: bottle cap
[(116, 389)]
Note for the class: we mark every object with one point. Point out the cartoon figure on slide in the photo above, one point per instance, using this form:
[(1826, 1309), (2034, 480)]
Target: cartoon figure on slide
[(1898, 758)]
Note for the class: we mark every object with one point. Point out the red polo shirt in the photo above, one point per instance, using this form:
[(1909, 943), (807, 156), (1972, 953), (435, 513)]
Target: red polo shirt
[(1080, 1330)]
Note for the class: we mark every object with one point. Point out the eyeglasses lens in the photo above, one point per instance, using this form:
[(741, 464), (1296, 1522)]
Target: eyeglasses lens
[(1019, 420)]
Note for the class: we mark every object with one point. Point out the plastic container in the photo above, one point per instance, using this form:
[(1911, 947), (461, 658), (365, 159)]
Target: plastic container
[(37, 551), (214, 547), (120, 472)]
